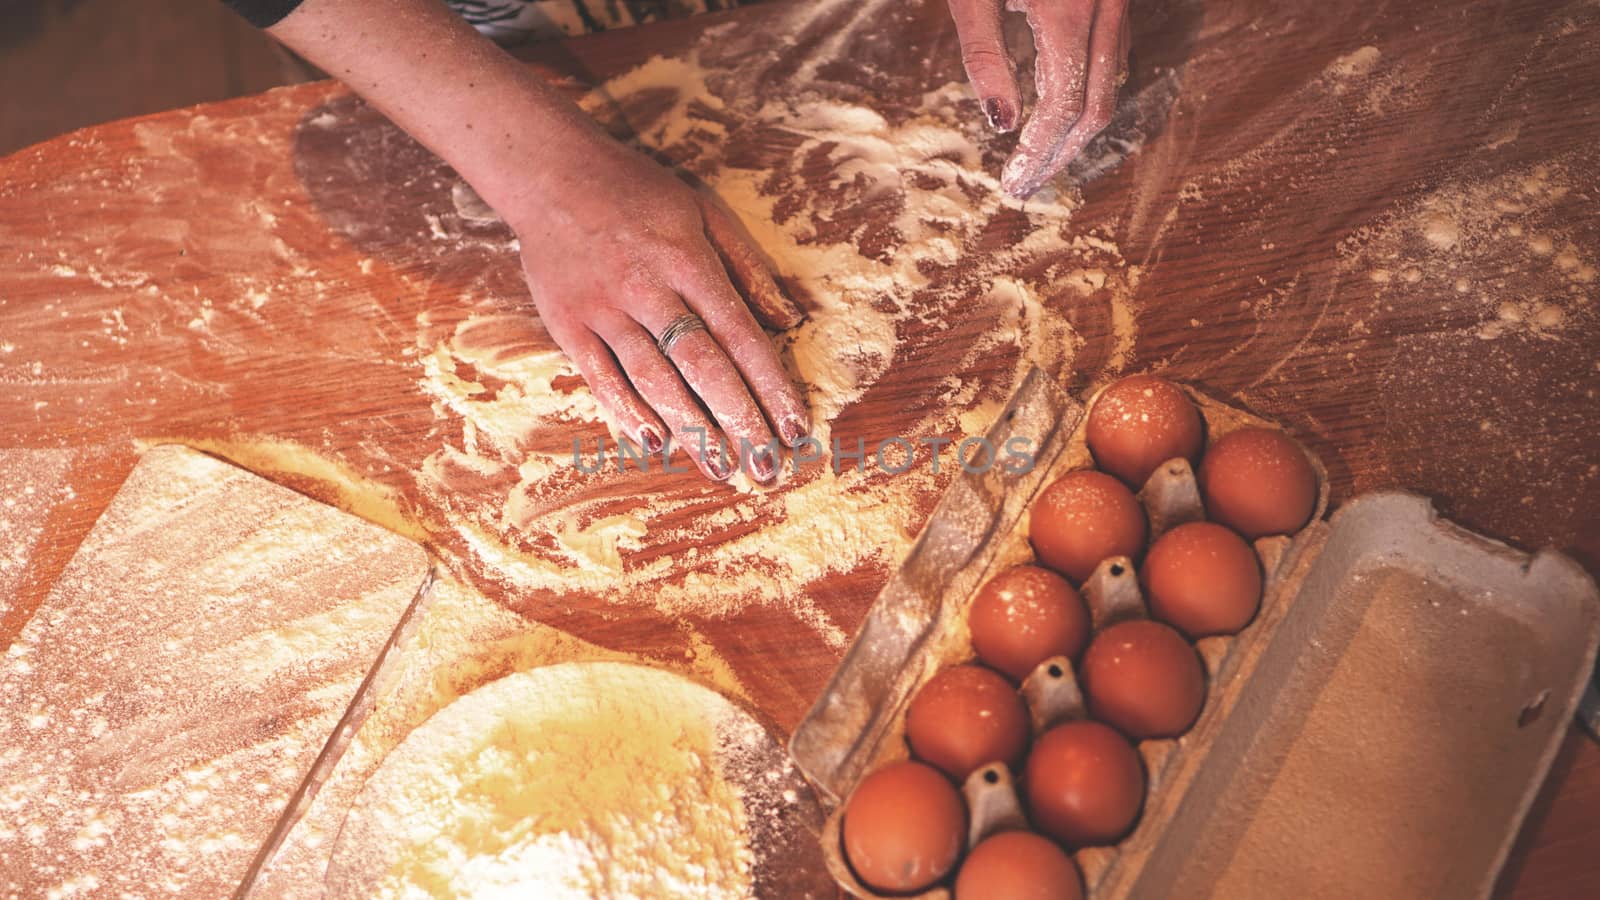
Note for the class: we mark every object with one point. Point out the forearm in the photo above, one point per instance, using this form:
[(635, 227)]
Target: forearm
[(490, 117), (657, 256)]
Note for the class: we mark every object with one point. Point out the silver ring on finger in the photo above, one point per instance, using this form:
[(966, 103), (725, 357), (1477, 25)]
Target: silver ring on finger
[(676, 330)]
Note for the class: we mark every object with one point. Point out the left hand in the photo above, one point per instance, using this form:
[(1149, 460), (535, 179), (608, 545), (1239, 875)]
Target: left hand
[(615, 248), (1082, 56)]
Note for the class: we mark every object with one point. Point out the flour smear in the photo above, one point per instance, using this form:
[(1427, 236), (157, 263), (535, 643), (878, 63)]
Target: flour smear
[(877, 221)]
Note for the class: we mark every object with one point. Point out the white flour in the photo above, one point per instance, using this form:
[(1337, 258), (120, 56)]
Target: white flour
[(923, 197), (575, 780)]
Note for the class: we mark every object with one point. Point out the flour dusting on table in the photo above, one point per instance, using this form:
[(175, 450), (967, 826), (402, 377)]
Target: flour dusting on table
[(918, 186), (1528, 277), (32, 484)]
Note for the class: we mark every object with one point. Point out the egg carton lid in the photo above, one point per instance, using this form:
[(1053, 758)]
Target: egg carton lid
[(838, 740), (1387, 731)]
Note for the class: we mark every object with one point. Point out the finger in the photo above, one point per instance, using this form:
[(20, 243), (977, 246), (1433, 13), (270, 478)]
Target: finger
[(660, 384), (1124, 43), (1108, 58), (988, 61), (611, 388), (1061, 31), (749, 271), (707, 291), (712, 376)]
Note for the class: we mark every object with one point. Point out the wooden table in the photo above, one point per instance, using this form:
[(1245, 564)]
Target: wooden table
[(1377, 226)]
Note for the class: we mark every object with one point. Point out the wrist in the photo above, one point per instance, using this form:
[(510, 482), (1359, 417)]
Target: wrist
[(515, 145)]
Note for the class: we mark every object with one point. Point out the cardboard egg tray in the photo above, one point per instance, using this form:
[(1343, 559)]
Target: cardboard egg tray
[(1378, 730)]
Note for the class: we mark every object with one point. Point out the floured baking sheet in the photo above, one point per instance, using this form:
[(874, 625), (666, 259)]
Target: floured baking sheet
[(170, 695)]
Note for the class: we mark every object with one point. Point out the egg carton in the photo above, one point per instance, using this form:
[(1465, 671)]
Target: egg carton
[(1383, 724)]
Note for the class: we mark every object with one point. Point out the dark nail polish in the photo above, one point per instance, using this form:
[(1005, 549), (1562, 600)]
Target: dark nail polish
[(762, 464), (717, 464), (650, 438), (1001, 116), (792, 430)]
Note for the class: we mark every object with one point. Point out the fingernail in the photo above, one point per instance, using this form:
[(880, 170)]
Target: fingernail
[(1001, 116), (762, 464), (792, 430), (650, 438), (717, 465), (1017, 178)]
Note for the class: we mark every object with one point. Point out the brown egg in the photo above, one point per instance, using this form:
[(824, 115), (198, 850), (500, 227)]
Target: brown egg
[(1202, 579), (1144, 678), (1024, 616), (1141, 422), (1084, 783), (1083, 518), (1018, 865), (965, 717), (1258, 481), (903, 827)]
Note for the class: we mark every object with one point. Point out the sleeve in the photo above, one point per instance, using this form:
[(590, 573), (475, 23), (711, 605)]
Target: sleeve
[(263, 13)]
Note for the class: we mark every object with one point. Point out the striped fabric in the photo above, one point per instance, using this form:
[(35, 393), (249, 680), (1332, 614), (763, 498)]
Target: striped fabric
[(514, 21)]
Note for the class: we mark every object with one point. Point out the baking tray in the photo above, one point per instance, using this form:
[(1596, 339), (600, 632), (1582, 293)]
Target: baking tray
[(1389, 642)]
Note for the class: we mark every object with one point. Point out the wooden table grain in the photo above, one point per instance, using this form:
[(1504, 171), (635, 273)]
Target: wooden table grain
[(1377, 225)]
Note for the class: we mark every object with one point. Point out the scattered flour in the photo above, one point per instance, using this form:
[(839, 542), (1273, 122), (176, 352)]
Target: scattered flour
[(172, 690), (1508, 228), (1355, 63), (876, 220), (1440, 230), (574, 780), (461, 640)]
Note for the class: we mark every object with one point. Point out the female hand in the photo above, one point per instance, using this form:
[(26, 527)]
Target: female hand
[(615, 248), (1082, 53)]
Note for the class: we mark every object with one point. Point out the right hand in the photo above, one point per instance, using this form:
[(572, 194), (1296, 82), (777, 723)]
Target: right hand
[(1082, 57)]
